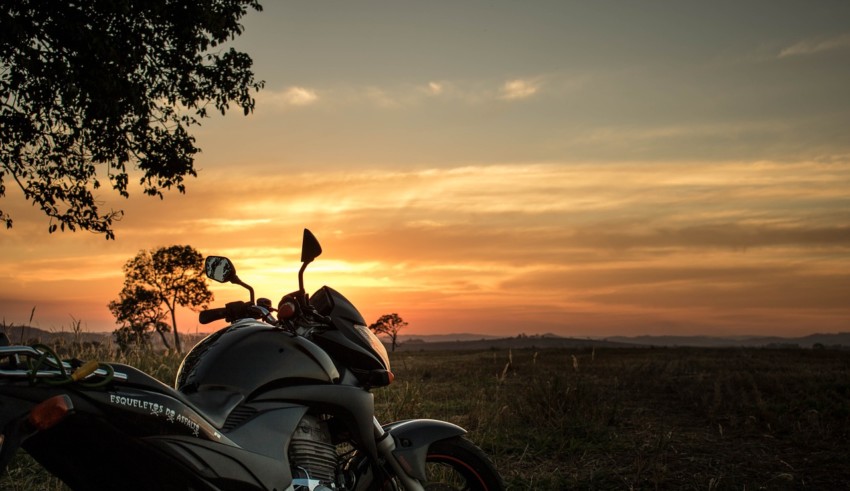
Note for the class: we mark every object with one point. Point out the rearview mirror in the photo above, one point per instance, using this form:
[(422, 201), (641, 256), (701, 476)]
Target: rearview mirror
[(310, 248), (220, 269)]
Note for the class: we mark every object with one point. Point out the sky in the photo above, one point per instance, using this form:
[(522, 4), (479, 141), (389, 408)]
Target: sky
[(587, 169)]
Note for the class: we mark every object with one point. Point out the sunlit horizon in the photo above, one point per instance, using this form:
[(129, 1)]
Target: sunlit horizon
[(499, 168)]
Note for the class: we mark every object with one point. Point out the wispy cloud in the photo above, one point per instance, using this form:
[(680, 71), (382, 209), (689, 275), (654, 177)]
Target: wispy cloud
[(405, 96), (812, 46), (773, 202), (519, 89), (291, 96), (637, 133)]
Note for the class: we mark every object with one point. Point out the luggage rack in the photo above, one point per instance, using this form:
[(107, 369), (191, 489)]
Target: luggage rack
[(15, 353)]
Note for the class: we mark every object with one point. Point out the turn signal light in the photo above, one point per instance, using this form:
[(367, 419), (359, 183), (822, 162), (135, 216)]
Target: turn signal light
[(50, 412), (286, 309)]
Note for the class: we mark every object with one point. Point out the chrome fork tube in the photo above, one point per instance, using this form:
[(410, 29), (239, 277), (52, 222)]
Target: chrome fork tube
[(386, 445)]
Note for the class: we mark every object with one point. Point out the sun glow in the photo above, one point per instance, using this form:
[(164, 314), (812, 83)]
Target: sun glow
[(547, 171)]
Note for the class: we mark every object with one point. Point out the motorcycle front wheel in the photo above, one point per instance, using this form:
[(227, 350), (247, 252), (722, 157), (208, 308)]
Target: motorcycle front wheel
[(457, 464)]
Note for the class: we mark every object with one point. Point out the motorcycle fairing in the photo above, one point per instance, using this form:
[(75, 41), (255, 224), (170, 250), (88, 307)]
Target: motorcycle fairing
[(84, 450), (153, 429), (353, 405), (227, 468), (134, 427), (89, 453), (144, 412), (270, 430), (343, 342)]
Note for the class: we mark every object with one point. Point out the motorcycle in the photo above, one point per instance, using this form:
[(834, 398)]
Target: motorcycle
[(277, 400)]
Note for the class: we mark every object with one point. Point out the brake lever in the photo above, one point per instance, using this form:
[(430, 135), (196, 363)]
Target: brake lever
[(263, 314)]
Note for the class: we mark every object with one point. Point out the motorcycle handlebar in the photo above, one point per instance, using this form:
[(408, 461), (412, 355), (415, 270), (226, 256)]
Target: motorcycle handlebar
[(230, 312), (212, 315), (240, 310)]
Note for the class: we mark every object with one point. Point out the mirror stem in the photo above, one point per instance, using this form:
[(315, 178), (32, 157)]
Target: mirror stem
[(239, 282), (302, 292)]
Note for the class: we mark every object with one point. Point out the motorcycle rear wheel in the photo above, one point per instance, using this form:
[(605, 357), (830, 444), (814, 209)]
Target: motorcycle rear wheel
[(457, 464)]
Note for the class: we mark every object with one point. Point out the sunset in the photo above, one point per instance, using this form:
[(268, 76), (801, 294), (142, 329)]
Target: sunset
[(595, 245), (587, 170)]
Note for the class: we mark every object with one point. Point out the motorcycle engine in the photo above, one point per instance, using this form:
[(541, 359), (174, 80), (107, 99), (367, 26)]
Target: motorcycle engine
[(312, 455)]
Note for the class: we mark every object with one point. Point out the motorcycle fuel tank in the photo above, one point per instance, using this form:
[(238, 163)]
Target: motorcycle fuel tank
[(250, 356)]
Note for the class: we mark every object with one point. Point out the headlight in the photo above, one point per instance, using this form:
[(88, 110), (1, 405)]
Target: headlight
[(377, 346)]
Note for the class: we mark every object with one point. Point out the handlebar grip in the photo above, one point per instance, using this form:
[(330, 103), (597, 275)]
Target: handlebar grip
[(211, 315)]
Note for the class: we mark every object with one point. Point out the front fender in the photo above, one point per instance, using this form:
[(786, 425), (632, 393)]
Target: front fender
[(413, 437)]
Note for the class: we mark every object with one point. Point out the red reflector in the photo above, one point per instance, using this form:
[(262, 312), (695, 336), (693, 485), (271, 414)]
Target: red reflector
[(50, 412), (391, 376)]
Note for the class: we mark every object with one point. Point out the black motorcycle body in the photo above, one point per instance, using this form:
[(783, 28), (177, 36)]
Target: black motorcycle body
[(262, 404)]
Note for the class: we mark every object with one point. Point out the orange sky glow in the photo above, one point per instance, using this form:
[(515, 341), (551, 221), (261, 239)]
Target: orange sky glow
[(539, 185)]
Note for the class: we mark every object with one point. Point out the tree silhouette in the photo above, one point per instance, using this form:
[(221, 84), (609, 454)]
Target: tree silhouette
[(389, 324), (139, 312), (89, 88), (173, 276)]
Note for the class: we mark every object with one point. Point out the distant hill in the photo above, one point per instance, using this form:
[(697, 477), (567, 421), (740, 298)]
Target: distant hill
[(479, 342), (470, 341), (439, 338), (27, 335), (827, 340)]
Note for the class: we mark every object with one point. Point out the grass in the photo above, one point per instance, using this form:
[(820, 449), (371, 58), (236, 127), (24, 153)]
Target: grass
[(618, 418), (644, 418)]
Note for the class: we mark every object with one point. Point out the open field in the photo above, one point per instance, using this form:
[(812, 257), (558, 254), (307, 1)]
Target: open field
[(629, 418), (642, 418)]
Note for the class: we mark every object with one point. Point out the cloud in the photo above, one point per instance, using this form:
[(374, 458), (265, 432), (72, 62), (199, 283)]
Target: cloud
[(408, 95), (812, 46), (616, 245), (435, 88), (622, 208), (519, 89), (291, 96)]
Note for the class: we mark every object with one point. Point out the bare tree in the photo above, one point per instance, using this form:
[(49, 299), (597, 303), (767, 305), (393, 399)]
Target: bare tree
[(389, 324)]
